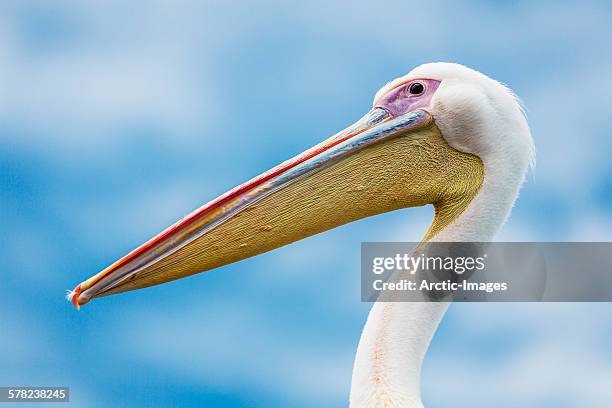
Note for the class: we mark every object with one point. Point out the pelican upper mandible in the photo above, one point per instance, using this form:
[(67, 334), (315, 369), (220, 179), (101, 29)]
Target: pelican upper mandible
[(443, 134)]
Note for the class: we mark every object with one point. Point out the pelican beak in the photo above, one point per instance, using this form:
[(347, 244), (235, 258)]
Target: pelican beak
[(381, 163)]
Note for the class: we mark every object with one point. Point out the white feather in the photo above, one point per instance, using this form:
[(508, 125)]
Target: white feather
[(69, 295), (478, 115)]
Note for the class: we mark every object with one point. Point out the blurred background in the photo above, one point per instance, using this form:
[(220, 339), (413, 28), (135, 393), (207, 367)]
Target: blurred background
[(118, 118)]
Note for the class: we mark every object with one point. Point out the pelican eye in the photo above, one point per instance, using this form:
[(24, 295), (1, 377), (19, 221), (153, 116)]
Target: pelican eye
[(416, 88)]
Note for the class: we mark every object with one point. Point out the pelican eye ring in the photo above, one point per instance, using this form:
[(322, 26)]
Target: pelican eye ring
[(416, 88)]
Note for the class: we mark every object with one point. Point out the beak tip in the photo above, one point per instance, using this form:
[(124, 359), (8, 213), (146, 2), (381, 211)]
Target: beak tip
[(73, 296)]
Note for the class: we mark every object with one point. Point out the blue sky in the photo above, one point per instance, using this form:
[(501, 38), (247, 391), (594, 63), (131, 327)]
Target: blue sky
[(115, 120)]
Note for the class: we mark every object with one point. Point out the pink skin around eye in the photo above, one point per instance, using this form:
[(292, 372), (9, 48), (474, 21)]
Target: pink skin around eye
[(399, 100)]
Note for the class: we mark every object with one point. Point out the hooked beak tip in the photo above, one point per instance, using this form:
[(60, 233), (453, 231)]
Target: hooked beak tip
[(73, 296)]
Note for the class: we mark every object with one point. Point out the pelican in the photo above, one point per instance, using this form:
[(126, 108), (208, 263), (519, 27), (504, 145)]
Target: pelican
[(443, 134)]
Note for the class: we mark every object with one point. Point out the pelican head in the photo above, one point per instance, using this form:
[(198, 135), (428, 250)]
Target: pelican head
[(443, 134)]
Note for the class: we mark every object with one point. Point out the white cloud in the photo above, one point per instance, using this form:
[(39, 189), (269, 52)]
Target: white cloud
[(562, 358), (231, 345)]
